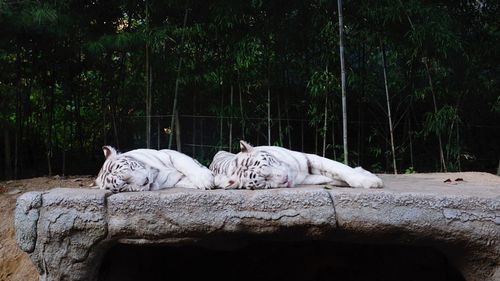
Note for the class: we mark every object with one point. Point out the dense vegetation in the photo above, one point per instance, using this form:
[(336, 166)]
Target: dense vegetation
[(79, 74)]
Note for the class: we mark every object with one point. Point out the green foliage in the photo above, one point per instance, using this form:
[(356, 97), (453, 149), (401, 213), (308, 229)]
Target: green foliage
[(93, 56), (322, 83), (496, 105), (440, 121), (40, 14), (410, 170), (249, 54)]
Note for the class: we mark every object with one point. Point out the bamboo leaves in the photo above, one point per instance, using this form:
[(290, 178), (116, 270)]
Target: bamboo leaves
[(81, 73)]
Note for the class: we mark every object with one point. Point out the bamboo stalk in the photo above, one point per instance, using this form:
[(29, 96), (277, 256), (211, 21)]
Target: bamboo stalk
[(268, 114), (177, 80), (148, 89), (231, 118), (389, 118), (441, 154), (325, 125), (343, 81)]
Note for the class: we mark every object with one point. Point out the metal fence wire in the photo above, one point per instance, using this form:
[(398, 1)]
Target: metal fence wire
[(201, 136)]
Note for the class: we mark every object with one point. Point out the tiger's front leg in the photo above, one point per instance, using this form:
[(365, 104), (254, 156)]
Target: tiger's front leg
[(357, 177), (187, 183), (199, 176), (320, 179)]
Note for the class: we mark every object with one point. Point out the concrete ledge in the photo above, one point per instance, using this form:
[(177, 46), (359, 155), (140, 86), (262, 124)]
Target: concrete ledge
[(67, 231)]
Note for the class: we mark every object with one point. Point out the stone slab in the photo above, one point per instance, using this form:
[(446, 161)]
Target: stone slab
[(67, 231)]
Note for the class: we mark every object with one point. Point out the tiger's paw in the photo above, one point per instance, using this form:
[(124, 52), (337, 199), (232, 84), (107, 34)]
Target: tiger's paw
[(363, 178)]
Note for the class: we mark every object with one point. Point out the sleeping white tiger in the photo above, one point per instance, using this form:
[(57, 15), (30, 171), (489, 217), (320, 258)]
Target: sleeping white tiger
[(148, 169), (264, 167)]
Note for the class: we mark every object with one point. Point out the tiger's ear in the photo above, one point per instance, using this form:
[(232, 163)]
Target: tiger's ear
[(245, 146), (108, 151)]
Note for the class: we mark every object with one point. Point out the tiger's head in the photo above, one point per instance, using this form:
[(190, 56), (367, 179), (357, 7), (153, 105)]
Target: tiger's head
[(122, 173), (255, 169)]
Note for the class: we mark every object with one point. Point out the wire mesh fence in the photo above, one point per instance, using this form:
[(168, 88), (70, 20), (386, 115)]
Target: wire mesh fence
[(201, 136)]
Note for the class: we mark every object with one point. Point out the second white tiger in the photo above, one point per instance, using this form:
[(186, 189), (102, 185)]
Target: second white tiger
[(264, 167)]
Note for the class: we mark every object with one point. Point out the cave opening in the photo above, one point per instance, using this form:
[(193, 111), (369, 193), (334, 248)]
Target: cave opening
[(277, 260)]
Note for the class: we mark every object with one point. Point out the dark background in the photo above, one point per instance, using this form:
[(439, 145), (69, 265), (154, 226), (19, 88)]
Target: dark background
[(74, 76), (313, 260)]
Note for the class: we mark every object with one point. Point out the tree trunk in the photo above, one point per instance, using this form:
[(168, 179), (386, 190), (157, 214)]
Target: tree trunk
[(268, 113), (149, 97), (116, 94), (450, 135), (7, 159), (441, 154), (174, 106), (333, 139), (447, 157), (325, 125), (66, 93), (103, 108), (410, 137), (148, 88), (288, 130), (361, 107), (343, 81), (19, 125), (79, 129), (316, 139), (17, 140), (333, 130), (63, 156), (158, 134), (17, 150), (231, 119), (177, 80), (202, 156), (25, 132), (389, 118), (302, 135), (50, 122), (458, 157), (288, 126), (241, 111), (221, 119), (280, 130), (194, 119), (407, 15), (178, 132)]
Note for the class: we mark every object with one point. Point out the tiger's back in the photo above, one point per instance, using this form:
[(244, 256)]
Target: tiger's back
[(148, 169), (265, 167)]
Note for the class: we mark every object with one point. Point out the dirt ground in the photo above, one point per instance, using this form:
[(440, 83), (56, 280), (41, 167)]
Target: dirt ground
[(15, 265)]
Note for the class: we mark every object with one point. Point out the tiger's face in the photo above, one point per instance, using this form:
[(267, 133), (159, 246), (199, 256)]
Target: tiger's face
[(121, 174), (256, 169), (260, 170)]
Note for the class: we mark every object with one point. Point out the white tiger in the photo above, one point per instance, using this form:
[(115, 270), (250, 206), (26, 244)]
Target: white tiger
[(264, 167), (149, 169)]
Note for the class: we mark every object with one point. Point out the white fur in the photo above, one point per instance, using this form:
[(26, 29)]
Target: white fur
[(148, 169), (284, 168)]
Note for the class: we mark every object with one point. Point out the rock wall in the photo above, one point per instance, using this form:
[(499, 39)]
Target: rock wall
[(68, 231)]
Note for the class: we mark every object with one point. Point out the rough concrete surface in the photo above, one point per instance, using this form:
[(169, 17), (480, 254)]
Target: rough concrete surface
[(67, 231), (15, 264)]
